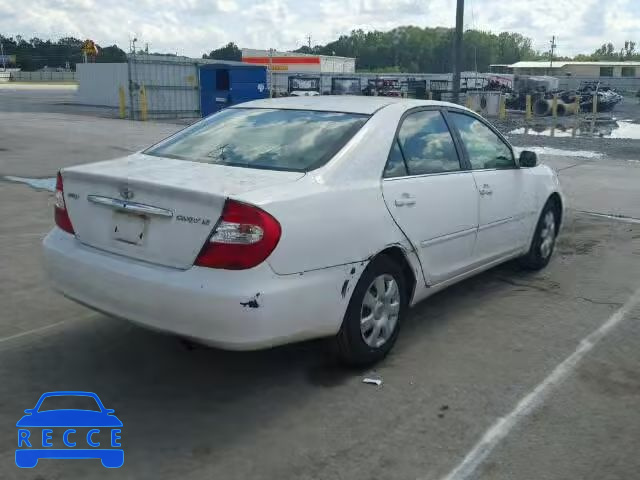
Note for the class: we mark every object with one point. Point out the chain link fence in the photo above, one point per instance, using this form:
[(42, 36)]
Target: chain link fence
[(42, 76), (624, 84), (163, 87)]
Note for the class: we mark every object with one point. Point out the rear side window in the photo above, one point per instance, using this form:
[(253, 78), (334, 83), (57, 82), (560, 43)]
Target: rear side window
[(395, 164), (295, 140), (427, 144), (484, 147)]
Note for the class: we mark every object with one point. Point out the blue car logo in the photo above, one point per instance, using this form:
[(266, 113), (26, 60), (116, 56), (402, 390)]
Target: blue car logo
[(88, 430)]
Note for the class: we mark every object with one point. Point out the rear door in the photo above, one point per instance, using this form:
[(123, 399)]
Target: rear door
[(502, 188), (430, 196)]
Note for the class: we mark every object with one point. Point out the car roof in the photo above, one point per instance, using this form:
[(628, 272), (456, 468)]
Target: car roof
[(340, 103)]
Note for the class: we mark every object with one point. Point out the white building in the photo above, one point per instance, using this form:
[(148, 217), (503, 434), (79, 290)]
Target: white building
[(561, 68), (299, 62)]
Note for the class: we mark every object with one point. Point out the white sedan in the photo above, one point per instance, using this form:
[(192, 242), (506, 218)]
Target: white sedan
[(286, 219)]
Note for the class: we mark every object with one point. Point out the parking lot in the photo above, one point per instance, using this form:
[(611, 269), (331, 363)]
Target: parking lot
[(508, 375)]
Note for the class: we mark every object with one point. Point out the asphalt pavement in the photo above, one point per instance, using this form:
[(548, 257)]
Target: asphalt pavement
[(482, 383)]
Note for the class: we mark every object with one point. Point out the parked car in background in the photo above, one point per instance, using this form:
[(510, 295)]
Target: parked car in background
[(286, 219)]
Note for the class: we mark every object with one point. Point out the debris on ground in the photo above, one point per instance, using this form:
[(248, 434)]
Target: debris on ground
[(372, 380)]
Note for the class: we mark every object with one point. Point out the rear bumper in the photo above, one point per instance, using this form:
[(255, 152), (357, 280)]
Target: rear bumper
[(239, 310)]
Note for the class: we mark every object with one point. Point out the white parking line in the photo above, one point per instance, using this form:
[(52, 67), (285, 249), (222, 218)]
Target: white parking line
[(620, 218), (29, 332), (501, 428)]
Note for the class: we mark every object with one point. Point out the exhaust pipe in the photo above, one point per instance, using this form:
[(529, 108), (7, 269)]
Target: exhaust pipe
[(542, 107)]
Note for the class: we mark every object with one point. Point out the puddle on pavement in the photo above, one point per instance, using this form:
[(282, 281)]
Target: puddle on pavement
[(48, 184), (559, 152), (607, 129)]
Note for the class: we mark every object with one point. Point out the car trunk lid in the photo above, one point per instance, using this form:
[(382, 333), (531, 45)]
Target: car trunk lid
[(156, 209)]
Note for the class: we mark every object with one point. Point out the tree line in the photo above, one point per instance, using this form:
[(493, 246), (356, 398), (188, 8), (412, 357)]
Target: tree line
[(35, 53), (414, 49), (402, 49)]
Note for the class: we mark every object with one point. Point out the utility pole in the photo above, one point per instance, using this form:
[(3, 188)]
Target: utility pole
[(553, 49), (271, 50), (4, 64), (309, 40), (130, 63), (457, 51)]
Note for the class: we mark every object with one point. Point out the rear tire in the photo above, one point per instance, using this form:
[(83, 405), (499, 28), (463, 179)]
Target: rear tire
[(544, 239), (376, 309)]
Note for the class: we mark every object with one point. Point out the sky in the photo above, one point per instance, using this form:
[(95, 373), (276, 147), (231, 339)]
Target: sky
[(193, 27)]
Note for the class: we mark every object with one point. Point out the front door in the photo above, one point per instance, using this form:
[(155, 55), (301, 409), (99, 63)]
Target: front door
[(502, 189), (430, 197)]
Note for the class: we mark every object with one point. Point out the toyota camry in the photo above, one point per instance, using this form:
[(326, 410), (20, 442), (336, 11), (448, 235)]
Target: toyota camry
[(280, 220)]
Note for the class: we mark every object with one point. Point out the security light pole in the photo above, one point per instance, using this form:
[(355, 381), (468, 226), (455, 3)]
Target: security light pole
[(457, 51)]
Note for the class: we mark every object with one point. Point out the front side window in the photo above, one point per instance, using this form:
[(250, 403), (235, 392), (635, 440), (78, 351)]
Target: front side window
[(427, 144), (294, 140), (484, 147)]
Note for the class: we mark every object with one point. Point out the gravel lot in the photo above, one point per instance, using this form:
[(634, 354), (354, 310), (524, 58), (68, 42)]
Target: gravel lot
[(505, 345)]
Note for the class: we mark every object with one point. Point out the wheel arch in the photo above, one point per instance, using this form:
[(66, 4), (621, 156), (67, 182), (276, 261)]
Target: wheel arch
[(556, 200), (399, 256)]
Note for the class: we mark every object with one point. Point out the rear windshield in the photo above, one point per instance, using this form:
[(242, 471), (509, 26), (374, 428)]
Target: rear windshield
[(295, 140)]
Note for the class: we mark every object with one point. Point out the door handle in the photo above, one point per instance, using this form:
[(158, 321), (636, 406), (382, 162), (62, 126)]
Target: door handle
[(485, 190), (405, 200)]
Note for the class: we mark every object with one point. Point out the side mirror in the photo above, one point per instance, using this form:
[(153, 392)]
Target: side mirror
[(29, 411), (528, 159), (109, 411)]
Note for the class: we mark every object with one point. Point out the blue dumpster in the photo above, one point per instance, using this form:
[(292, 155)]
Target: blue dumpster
[(229, 83)]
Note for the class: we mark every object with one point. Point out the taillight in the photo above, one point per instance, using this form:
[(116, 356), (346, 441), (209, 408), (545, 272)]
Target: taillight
[(60, 210), (244, 237)]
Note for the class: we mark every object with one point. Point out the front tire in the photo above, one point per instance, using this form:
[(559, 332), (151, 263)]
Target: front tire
[(372, 321), (544, 239)]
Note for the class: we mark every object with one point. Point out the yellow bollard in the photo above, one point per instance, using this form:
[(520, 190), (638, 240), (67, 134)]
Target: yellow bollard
[(554, 106), (467, 103), (503, 107), (528, 107), (122, 104), (144, 106)]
